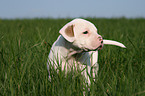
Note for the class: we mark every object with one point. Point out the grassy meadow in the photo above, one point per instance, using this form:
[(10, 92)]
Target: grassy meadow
[(25, 45)]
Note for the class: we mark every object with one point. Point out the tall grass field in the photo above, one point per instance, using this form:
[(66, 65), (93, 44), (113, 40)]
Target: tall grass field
[(24, 49)]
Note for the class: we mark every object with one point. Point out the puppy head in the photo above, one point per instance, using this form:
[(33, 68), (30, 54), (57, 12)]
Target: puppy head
[(82, 34)]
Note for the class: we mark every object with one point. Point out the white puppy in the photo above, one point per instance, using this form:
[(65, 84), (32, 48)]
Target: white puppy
[(78, 46)]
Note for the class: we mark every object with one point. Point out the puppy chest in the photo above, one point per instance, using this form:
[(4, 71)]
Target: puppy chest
[(80, 58)]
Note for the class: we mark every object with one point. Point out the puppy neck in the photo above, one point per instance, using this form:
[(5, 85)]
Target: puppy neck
[(69, 45), (72, 50)]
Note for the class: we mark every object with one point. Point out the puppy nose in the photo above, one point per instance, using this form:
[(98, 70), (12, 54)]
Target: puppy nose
[(100, 39)]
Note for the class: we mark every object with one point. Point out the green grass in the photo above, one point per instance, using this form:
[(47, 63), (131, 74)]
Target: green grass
[(25, 45)]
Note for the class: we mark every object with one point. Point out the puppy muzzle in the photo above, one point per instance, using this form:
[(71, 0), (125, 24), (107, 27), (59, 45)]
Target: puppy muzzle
[(100, 40)]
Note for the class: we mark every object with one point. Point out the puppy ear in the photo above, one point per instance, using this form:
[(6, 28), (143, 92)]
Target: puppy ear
[(68, 32)]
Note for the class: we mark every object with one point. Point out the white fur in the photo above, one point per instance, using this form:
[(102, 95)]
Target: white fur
[(74, 46)]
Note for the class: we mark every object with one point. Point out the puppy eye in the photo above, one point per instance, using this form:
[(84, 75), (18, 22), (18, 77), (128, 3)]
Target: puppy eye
[(86, 32)]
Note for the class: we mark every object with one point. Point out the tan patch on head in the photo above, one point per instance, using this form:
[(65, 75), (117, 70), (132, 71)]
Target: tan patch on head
[(69, 31)]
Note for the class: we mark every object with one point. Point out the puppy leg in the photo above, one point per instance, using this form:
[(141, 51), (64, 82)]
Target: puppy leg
[(94, 64), (86, 73)]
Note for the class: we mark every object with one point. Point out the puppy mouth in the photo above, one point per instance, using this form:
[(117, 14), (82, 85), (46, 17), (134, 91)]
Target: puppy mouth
[(98, 48)]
